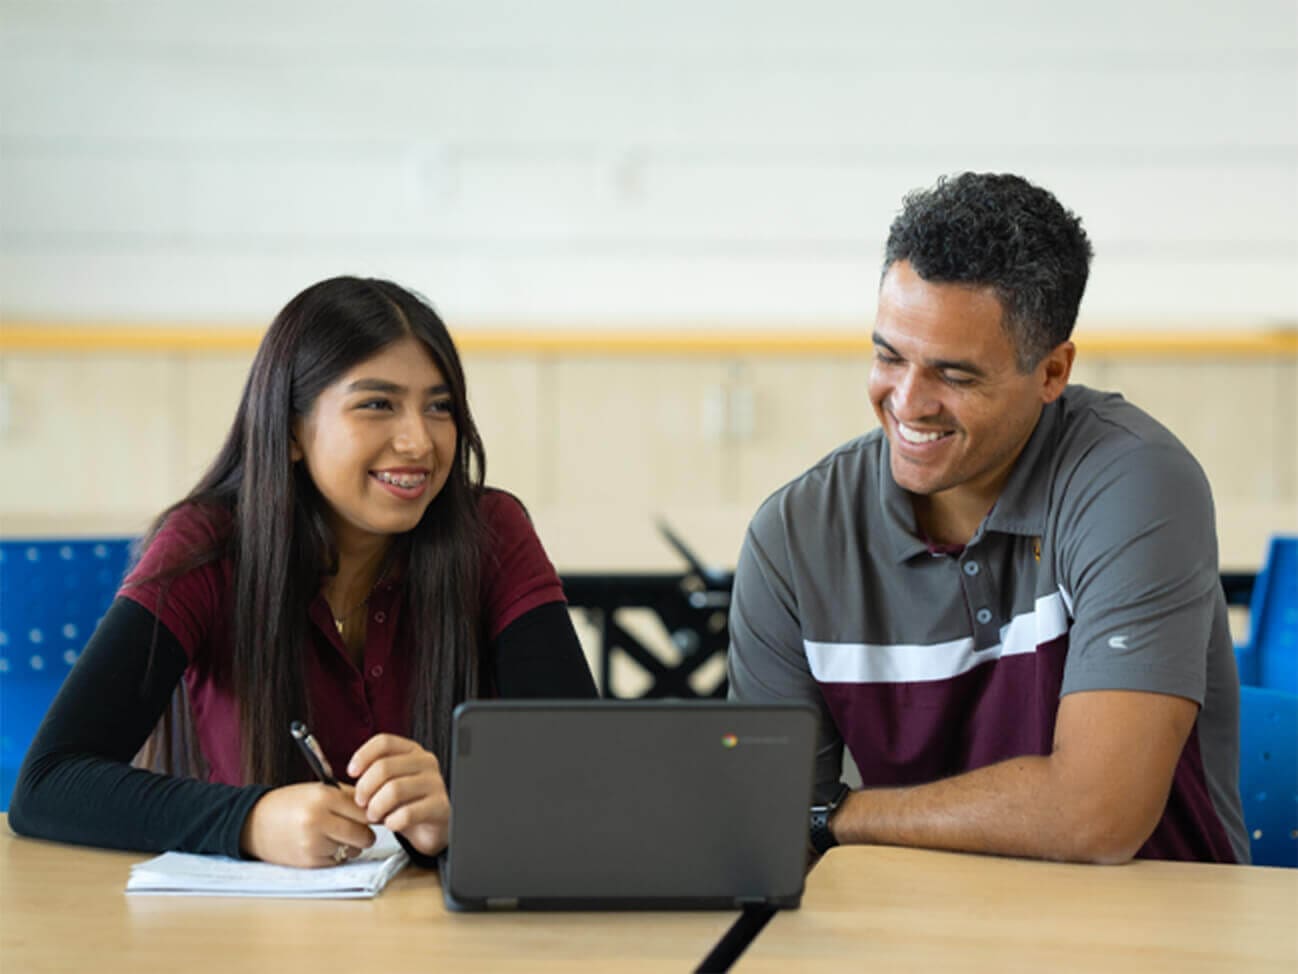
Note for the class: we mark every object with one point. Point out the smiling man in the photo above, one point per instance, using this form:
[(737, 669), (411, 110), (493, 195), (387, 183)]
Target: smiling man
[(1005, 601)]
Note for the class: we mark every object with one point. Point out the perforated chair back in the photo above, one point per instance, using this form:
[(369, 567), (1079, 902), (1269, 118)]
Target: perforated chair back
[(52, 595), (1268, 773), (1273, 617)]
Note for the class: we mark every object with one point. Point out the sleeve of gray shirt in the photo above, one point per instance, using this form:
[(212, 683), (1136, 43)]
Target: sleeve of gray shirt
[(766, 662), (1137, 557)]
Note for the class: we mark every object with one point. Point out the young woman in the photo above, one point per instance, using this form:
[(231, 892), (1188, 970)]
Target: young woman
[(341, 564)]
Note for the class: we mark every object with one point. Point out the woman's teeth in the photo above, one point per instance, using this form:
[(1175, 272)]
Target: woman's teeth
[(401, 479)]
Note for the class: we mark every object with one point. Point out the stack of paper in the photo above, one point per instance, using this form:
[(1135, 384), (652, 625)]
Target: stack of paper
[(183, 874)]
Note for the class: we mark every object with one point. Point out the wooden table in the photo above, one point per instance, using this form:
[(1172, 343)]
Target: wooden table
[(64, 908), (882, 909)]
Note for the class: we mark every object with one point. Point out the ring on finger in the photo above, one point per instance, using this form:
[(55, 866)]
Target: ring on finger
[(342, 853)]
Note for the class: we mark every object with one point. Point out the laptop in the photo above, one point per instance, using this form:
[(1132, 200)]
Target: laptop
[(628, 805)]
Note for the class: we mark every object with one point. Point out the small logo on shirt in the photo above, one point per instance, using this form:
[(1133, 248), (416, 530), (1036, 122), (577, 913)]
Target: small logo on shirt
[(729, 740), (1118, 642)]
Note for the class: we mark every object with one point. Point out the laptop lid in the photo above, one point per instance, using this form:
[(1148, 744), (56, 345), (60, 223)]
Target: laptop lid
[(628, 804)]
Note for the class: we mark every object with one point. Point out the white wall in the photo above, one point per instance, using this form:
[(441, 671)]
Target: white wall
[(615, 163)]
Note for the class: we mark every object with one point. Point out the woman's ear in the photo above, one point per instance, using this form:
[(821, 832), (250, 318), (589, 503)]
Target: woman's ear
[(294, 450)]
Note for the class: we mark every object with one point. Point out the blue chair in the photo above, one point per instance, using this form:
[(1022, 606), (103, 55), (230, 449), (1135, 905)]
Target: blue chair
[(1270, 657), (1268, 773), (52, 596)]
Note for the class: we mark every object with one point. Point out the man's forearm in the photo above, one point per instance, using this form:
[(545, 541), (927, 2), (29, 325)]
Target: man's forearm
[(1020, 807)]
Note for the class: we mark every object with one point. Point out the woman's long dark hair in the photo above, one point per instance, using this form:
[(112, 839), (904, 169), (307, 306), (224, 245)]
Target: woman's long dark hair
[(279, 538)]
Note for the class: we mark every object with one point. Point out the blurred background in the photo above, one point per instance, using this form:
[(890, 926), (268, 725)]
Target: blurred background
[(654, 228)]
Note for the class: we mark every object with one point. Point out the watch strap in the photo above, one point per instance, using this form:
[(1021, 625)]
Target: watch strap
[(821, 835)]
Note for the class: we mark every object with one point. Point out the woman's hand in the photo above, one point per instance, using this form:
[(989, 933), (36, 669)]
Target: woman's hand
[(399, 785), (306, 825)]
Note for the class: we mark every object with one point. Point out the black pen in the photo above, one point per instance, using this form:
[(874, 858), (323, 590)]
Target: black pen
[(311, 751)]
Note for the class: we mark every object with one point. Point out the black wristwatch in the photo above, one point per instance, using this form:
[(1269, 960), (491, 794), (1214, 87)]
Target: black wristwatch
[(822, 838)]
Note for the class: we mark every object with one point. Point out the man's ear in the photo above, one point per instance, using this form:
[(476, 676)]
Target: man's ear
[(1055, 369)]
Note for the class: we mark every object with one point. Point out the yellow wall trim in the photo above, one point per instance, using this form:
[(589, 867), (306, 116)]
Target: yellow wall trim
[(62, 338)]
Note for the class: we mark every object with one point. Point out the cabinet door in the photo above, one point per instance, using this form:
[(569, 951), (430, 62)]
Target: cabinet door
[(632, 432), (513, 411), (87, 437), (803, 408), (210, 387), (630, 440)]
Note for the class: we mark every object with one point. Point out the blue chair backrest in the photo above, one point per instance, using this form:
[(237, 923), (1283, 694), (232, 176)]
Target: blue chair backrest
[(1268, 773), (1273, 618), (52, 596)]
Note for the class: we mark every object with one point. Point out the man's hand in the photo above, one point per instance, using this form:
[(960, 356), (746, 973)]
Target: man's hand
[(399, 785)]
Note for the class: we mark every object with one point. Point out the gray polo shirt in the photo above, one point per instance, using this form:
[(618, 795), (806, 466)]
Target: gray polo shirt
[(1096, 570)]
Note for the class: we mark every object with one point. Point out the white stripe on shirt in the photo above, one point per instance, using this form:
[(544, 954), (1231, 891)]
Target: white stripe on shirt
[(911, 663)]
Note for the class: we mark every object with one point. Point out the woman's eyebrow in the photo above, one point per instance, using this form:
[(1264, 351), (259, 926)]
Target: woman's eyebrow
[(382, 385)]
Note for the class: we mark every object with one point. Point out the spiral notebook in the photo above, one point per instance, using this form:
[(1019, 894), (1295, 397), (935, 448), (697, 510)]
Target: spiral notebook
[(185, 874)]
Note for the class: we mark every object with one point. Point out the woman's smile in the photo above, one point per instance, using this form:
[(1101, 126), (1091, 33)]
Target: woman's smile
[(405, 483)]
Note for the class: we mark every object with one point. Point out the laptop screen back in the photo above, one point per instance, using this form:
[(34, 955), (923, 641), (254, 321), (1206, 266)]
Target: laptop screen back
[(628, 804)]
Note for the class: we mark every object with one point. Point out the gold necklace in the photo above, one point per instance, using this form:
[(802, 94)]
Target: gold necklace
[(341, 621)]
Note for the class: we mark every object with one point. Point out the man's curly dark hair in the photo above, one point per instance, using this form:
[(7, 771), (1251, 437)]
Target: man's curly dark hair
[(1002, 232)]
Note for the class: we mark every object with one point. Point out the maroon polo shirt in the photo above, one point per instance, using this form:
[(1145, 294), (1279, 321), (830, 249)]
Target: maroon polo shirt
[(349, 704)]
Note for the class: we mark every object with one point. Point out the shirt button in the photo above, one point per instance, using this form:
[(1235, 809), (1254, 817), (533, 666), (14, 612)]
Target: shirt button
[(971, 568), (380, 617), (376, 671), (984, 616)]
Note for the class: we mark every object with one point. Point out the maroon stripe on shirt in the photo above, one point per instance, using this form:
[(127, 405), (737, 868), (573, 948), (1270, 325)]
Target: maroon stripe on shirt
[(910, 733), (914, 733)]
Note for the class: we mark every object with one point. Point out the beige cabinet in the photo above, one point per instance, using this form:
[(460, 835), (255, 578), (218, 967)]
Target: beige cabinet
[(600, 445)]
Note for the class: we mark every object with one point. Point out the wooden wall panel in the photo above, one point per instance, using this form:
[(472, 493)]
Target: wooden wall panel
[(87, 438), (600, 446)]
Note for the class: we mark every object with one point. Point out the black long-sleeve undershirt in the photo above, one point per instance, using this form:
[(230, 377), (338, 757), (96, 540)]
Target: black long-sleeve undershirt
[(77, 784)]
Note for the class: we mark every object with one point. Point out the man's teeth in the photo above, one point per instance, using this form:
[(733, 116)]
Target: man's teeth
[(402, 479), (917, 436)]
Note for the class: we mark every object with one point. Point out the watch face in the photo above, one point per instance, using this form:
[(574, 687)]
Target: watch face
[(822, 839)]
